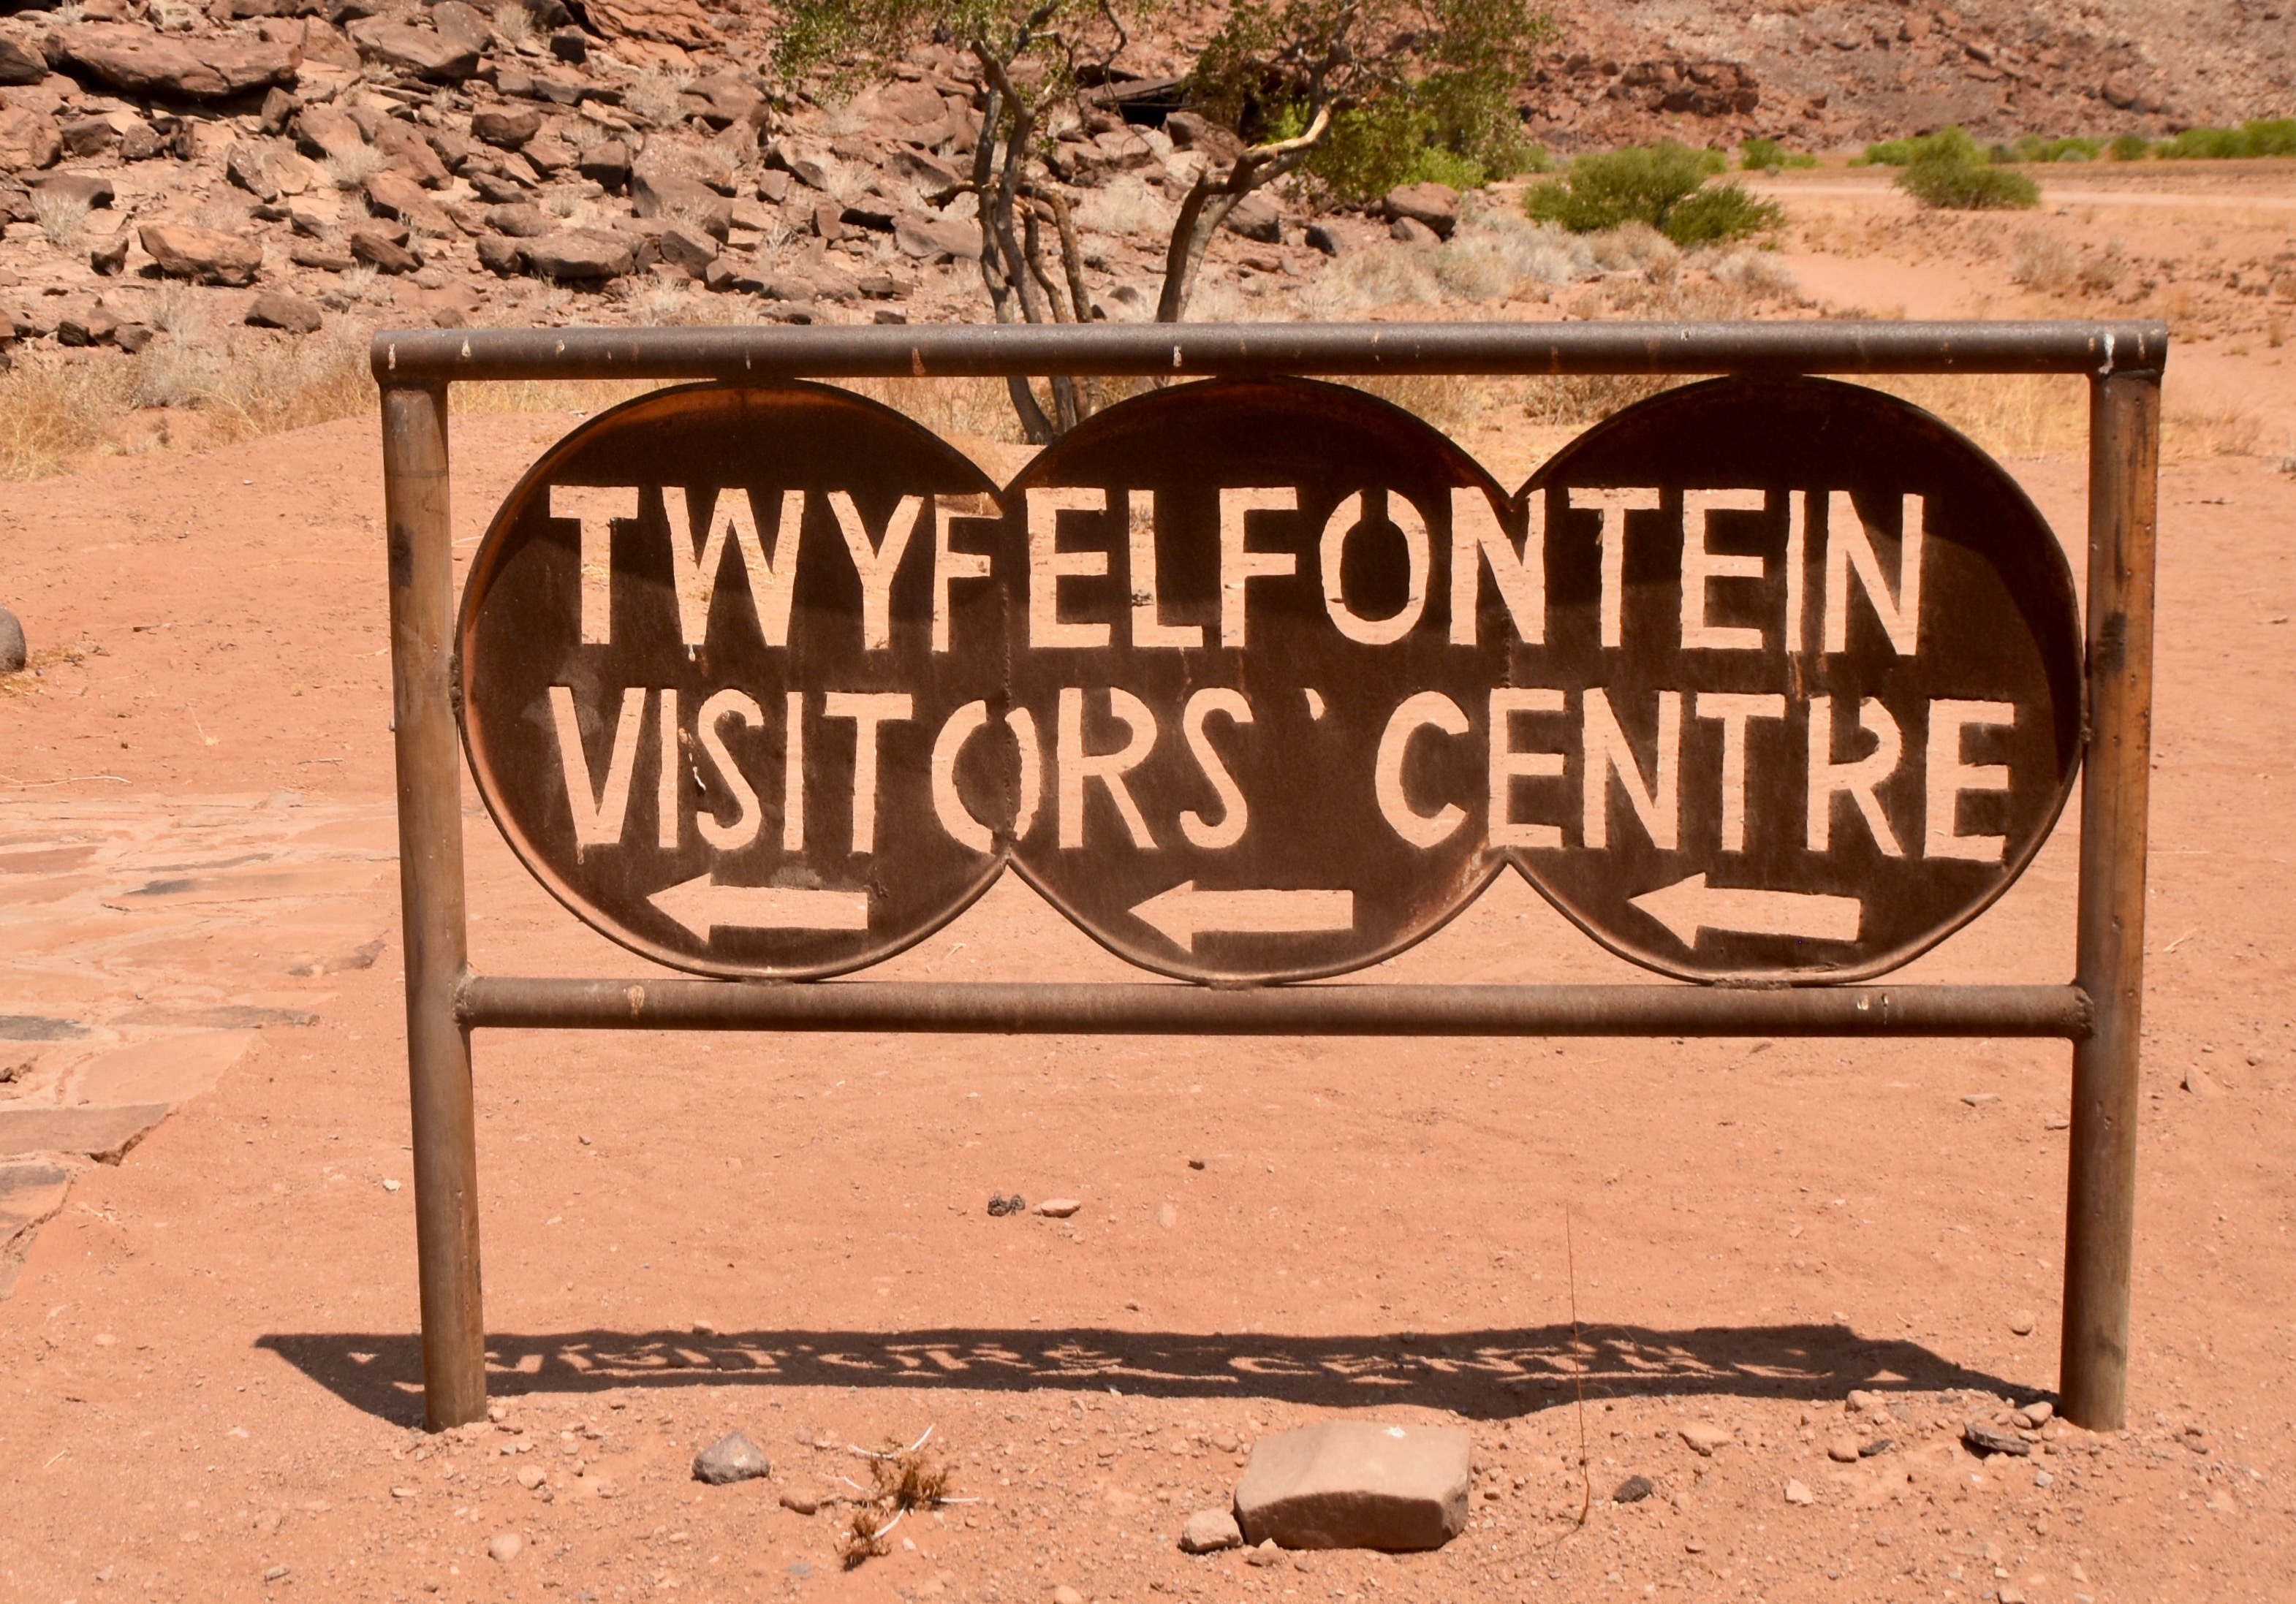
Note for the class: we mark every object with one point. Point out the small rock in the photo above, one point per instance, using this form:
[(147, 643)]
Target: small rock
[(110, 258), (1411, 231), (1256, 217), (2044, 1480), (384, 249), (521, 221), (732, 1458), (1000, 1205), (1979, 1100), (12, 655), (806, 1500), (1634, 1490), (504, 1547), (2198, 1084), (1058, 1208), (532, 1476), (1357, 1484), (1704, 1437), (2021, 1321), (275, 309), (1211, 1531), (1841, 1449), (1195, 1164), (1168, 1215), (508, 127), (276, 1573), (684, 246), (1322, 237), (581, 254), (1984, 1437), (1065, 1594), (1267, 1553), (1877, 1446), (1433, 206), (570, 45), (2037, 1414), (1799, 1492), (607, 164)]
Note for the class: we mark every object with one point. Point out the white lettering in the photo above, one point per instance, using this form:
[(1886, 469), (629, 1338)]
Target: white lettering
[(1428, 709), (1615, 505), (1048, 565), (1856, 778), (1733, 709), (877, 560), (1850, 545), (598, 811), (1510, 762), (1148, 627), (1520, 575), (1238, 563), (728, 836), (1606, 752), (596, 508), (665, 785), (1948, 776), (1797, 571), (771, 580), (1331, 555), (1233, 814), (793, 774), (1077, 765), (1702, 565), (1023, 726), (868, 710), (948, 807), (949, 564)]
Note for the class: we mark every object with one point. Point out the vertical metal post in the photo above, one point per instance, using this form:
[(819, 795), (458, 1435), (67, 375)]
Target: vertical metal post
[(430, 899), (2101, 1188)]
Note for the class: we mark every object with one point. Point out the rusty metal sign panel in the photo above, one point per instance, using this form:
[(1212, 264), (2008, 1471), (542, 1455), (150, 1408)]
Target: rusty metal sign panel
[(1265, 679)]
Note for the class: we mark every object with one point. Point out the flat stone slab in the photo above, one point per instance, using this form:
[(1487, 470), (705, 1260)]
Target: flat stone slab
[(1357, 1484), (101, 1133)]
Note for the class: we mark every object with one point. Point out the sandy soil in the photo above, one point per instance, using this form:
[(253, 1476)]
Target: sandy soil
[(209, 1358)]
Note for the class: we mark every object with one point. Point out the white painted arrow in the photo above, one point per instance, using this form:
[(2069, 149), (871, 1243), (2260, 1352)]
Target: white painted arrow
[(1691, 905), (1180, 913), (702, 904)]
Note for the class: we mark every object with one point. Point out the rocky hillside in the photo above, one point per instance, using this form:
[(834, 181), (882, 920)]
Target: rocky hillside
[(1819, 73), (295, 167)]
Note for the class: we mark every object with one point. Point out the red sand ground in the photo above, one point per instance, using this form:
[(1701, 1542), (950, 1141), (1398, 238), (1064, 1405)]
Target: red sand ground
[(208, 1357)]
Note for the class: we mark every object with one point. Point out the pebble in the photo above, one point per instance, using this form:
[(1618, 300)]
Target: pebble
[(732, 1458), (1168, 1215), (2042, 1478), (2021, 1321), (1704, 1438), (1210, 1531), (531, 1476), (1979, 1100), (504, 1546), (1058, 1208), (1799, 1492), (1000, 1205), (1985, 1437), (804, 1502), (1065, 1594), (1199, 1164), (1842, 1448), (2038, 1414), (277, 1573), (1267, 1553), (1634, 1490)]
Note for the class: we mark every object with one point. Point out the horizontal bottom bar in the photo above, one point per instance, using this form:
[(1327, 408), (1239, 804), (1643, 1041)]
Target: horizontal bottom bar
[(513, 1002)]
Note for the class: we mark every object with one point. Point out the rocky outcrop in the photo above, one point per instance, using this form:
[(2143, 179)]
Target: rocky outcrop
[(138, 60)]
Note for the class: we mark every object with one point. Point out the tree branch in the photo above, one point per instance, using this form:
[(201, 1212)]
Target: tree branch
[(1209, 203)]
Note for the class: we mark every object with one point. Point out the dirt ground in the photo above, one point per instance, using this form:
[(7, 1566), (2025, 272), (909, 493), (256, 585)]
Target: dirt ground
[(209, 1356)]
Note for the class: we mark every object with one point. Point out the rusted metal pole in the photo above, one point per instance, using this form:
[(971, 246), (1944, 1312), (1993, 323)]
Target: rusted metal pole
[(2101, 1187), (430, 900), (1052, 1008)]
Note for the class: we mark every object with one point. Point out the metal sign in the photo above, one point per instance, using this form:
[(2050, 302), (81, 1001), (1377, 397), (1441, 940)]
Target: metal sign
[(1264, 680)]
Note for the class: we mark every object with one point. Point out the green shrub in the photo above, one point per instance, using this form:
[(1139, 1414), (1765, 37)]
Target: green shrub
[(2207, 144), (1661, 185), (2273, 136), (1888, 152), (1767, 155), (1956, 185), (2129, 147), (2033, 147)]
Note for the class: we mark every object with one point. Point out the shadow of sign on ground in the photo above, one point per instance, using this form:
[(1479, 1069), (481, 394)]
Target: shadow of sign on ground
[(1482, 1375)]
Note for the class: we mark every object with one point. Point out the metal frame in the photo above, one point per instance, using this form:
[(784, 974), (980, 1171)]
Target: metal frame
[(2099, 1012)]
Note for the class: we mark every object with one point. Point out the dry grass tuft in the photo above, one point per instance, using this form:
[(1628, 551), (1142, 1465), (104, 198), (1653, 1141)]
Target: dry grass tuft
[(514, 24), (906, 1479), (63, 219), (652, 96), (349, 170)]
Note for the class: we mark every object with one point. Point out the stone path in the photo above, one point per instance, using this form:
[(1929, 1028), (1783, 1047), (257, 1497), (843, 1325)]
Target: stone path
[(147, 941)]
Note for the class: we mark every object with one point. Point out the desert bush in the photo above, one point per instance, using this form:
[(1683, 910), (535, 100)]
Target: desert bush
[(1759, 274), (1662, 185), (63, 219), (513, 23), (2260, 136), (654, 97), (2100, 275), (2129, 147), (2034, 147), (349, 170), (1770, 156), (1948, 170), (2042, 262)]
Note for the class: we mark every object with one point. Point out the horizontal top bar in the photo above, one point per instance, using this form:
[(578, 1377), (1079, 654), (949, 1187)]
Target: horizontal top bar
[(1237, 350)]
